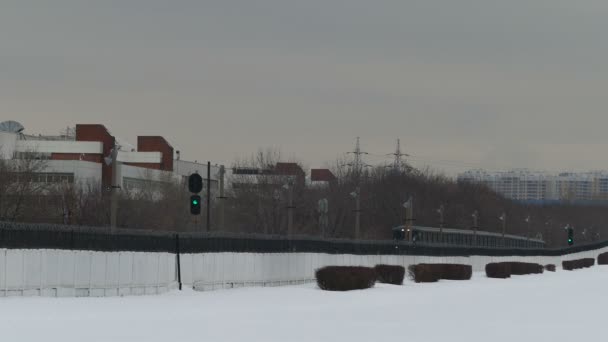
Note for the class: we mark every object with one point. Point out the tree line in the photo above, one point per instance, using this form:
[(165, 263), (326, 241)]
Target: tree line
[(259, 203)]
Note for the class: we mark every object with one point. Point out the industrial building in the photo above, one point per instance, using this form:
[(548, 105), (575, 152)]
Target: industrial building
[(90, 155)]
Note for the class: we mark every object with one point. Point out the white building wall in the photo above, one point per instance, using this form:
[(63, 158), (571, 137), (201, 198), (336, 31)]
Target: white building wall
[(186, 168), (8, 141), (84, 172), (139, 157), (59, 146), (128, 171)]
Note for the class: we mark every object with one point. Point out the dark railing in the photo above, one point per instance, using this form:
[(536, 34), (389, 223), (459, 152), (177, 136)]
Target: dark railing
[(47, 236)]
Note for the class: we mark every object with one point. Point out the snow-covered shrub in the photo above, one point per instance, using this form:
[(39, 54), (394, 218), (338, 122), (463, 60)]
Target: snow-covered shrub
[(345, 278), (602, 259), (500, 270), (550, 268), (577, 264), (430, 273), (424, 273), (390, 274), (456, 272), (523, 268)]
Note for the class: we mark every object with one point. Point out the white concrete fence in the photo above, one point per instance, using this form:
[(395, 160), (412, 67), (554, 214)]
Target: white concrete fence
[(49, 272)]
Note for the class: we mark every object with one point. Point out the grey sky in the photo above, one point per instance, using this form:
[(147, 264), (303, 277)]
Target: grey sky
[(493, 84)]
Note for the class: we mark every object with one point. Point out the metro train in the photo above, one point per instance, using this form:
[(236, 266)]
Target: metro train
[(465, 238)]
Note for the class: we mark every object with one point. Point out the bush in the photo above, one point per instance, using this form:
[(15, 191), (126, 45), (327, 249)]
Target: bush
[(505, 270), (500, 270), (523, 268), (456, 272), (430, 273), (578, 264), (550, 268), (423, 273), (602, 259), (345, 278), (390, 274)]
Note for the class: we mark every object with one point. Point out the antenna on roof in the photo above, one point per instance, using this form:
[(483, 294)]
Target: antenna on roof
[(11, 126)]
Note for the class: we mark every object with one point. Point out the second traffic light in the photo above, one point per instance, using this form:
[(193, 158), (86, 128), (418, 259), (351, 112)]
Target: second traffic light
[(195, 183), (570, 236), (195, 205)]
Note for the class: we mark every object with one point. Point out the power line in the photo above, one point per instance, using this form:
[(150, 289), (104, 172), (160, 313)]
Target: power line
[(357, 165), (398, 162)]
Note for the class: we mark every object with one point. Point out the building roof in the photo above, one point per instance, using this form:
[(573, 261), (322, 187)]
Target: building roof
[(321, 175), (290, 169)]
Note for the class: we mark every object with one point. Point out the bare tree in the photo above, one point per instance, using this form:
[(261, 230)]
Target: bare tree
[(20, 185)]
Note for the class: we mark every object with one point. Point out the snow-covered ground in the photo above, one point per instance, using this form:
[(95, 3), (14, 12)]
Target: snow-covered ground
[(562, 306)]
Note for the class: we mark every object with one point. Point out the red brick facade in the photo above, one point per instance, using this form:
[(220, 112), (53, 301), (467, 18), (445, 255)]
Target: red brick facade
[(99, 133), (157, 144), (291, 169)]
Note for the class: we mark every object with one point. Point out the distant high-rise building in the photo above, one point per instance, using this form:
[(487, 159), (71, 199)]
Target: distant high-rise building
[(530, 186)]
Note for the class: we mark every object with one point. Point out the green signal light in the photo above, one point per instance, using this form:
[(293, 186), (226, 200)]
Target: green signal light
[(195, 202)]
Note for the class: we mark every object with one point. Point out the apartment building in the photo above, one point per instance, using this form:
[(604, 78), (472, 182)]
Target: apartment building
[(529, 186)]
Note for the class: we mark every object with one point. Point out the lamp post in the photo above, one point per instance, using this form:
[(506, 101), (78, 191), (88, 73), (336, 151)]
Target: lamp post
[(549, 234), (289, 188), (409, 217), (440, 211), (475, 216), (357, 196), (112, 160), (503, 218), (323, 219), (222, 198), (276, 210)]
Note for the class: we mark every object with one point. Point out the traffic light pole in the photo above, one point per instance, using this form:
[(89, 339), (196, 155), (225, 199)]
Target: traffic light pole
[(195, 185)]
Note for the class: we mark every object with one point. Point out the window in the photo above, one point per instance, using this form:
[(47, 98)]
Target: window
[(53, 177)]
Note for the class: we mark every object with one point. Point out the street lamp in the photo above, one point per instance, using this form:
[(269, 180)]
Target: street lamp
[(475, 216), (112, 160), (440, 211), (409, 216), (357, 196), (549, 233), (503, 218), (323, 206), (290, 207)]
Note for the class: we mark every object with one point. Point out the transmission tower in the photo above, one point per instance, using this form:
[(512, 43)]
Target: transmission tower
[(357, 164), (398, 162)]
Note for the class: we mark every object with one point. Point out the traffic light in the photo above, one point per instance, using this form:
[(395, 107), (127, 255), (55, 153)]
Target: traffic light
[(570, 236), (195, 205), (195, 183)]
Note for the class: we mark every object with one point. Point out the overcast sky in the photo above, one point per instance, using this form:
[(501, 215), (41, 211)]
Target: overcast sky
[(467, 83)]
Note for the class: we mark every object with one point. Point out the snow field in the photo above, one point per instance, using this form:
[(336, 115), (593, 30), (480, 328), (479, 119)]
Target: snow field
[(561, 306)]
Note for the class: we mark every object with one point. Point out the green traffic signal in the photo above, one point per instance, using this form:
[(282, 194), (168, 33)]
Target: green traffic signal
[(195, 204)]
